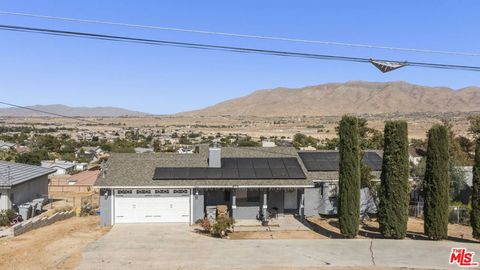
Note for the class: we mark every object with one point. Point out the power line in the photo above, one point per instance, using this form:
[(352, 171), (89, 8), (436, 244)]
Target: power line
[(227, 48), (51, 113), (228, 34)]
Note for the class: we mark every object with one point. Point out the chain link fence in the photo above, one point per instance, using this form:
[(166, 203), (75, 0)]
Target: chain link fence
[(456, 214)]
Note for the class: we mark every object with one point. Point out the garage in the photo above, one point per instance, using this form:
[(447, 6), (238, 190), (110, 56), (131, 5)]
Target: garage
[(152, 205)]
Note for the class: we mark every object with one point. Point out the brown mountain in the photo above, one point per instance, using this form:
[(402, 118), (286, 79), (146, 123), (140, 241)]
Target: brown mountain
[(34, 111), (354, 97)]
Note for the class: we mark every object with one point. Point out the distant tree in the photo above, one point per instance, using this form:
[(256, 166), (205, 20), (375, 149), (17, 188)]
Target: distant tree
[(302, 140), (28, 158), (349, 177), (156, 146), (474, 128), (436, 184), (394, 188), (475, 214)]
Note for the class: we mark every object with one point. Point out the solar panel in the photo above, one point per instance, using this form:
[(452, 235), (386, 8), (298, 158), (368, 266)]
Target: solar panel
[(275, 163), (260, 163), (246, 173), (329, 161), (244, 163), (263, 173), (237, 168), (280, 173)]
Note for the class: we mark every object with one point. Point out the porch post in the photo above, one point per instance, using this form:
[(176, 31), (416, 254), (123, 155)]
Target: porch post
[(264, 206), (301, 209), (234, 198)]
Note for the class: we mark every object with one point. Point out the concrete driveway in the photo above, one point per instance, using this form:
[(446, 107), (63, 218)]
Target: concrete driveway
[(176, 246)]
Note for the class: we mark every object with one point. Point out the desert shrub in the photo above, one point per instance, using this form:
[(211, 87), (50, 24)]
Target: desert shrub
[(6, 217), (222, 225)]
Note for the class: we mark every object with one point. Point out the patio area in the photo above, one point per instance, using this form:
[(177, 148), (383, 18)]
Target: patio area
[(283, 223)]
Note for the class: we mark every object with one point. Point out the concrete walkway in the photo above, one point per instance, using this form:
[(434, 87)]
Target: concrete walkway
[(175, 246)]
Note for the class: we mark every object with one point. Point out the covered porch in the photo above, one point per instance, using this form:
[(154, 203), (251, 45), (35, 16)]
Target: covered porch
[(256, 203)]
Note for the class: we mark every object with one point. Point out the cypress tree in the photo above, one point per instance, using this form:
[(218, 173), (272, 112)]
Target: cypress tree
[(393, 195), (475, 214), (349, 177), (436, 185)]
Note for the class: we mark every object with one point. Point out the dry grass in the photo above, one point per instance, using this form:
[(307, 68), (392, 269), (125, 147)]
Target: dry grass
[(57, 246), (329, 228)]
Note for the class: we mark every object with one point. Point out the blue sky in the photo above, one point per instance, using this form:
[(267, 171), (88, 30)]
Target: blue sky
[(38, 69)]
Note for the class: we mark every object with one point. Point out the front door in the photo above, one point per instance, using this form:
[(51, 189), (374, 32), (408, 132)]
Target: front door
[(290, 199)]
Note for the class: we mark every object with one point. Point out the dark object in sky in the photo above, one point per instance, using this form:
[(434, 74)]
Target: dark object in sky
[(236, 168), (386, 66)]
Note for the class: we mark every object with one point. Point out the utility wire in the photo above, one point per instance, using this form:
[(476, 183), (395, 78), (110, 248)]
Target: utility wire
[(50, 113), (226, 48), (227, 34)]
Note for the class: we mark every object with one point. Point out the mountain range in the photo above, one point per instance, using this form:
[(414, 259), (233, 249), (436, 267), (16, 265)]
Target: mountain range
[(331, 99), (34, 111), (355, 97)]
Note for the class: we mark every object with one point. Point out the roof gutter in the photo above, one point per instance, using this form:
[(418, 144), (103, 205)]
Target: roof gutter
[(227, 186)]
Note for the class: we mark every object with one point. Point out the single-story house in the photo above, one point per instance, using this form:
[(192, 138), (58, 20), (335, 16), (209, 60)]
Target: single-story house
[(79, 182), (252, 182), (143, 150), (5, 146), (61, 167), (415, 154), (20, 183), (90, 153)]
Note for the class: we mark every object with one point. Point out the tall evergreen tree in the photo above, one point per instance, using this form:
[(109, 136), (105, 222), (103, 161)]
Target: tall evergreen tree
[(393, 195), (436, 185), (475, 215), (349, 177)]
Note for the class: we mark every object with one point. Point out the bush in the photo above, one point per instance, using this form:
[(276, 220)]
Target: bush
[(219, 228), (6, 217)]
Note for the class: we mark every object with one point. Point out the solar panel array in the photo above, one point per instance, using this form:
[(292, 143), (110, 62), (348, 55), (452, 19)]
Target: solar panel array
[(237, 168), (329, 161)]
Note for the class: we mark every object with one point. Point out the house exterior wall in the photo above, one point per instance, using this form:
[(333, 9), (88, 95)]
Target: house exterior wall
[(328, 200), (27, 191), (198, 205), (4, 200), (312, 201), (247, 210), (106, 207)]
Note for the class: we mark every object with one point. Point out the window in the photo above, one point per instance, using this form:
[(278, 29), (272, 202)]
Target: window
[(162, 191), (248, 195), (180, 191), (124, 191), (143, 191)]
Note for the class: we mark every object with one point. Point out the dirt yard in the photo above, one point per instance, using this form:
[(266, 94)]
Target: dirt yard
[(57, 246), (329, 228)]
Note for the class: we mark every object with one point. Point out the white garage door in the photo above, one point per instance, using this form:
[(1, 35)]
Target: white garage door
[(143, 208)]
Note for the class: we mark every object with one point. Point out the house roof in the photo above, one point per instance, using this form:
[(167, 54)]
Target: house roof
[(329, 160), (85, 178), (416, 151), (59, 164), (137, 170), (7, 144), (15, 173)]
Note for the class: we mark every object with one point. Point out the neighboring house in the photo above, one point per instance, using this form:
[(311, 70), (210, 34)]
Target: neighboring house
[(415, 154), (5, 146), (323, 166), (79, 182), (143, 150), (61, 167), (20, 149), (253, 182), (184, 150), (268, 143), (90, 153), (21, 183), (80, 167)]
